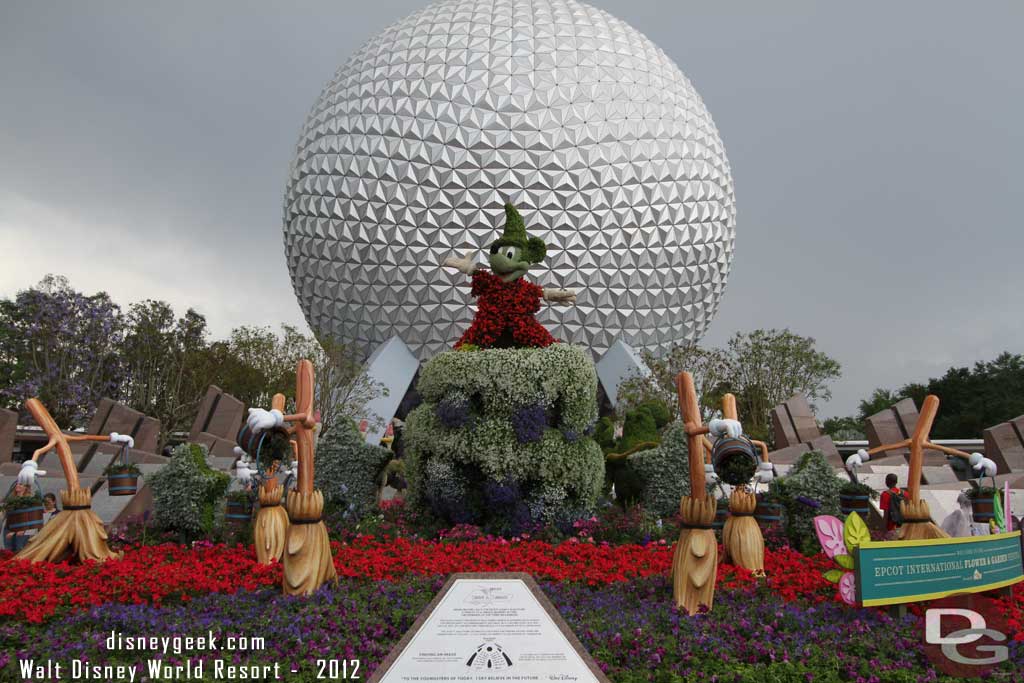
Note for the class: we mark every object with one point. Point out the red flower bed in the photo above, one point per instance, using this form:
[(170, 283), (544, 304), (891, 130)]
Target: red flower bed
[(154, 574)]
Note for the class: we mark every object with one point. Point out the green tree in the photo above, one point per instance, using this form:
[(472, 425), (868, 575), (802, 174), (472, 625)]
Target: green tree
[(168, 364), (768, 366), (879, 400), (973, 399), (709, 368), (255, 363), (762, 368)]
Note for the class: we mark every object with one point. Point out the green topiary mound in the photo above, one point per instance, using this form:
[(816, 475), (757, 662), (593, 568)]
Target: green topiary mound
[(663, 472), (502, 437), (641, 430), (811, 488), (186, 492), (348, 469)]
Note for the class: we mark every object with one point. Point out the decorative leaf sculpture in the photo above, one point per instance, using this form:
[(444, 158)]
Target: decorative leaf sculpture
[(830, 535), (833, 575), (855, 531), (848, 589), (844, 561), (837, 539)]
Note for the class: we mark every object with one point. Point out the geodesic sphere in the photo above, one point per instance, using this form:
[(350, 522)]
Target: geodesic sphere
[(579, 120)]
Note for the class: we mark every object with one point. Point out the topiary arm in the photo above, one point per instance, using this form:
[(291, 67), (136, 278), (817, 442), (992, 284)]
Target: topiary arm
[(464, 265), (559, 296)]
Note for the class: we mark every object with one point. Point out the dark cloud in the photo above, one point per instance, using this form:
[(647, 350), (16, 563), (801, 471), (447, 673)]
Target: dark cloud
[(874, 147)]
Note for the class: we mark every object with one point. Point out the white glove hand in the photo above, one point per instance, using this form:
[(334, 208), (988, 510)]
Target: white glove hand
[(261, 420), (864, 455), (122, 438), (765, 472), (29, 471), (464, 264), (986, 467), (975, 459), (239, 453), (730, 428), (709, 472), (242, 473), (764, 476), (854, 461)]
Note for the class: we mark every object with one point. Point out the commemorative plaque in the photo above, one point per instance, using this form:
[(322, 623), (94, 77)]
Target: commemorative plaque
[(482, 628)]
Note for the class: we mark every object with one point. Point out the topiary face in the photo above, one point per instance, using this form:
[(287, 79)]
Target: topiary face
[(513, 253)]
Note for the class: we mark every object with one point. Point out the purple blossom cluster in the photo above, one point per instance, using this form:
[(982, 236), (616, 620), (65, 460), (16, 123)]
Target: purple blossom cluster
[(529, 423), (454, 412), (61, 346)]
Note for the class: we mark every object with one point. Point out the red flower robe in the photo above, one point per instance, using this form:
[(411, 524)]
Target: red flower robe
[(504, 314)]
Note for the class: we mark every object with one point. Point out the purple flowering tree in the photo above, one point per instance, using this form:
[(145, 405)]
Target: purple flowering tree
[(61, 346)]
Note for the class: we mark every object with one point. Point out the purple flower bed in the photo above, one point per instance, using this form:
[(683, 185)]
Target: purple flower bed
[(632, 629)]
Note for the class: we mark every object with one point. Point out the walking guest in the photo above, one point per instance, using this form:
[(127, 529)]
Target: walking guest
[(49, 507), (890, 504)]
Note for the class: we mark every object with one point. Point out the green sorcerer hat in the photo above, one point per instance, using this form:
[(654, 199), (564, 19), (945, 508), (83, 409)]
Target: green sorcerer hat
[(533, 248)]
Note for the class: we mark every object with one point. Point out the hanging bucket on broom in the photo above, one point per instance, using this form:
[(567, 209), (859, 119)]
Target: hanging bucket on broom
[(983, 509), (849, 502), (25, 519), (768, 515), (238, 512), (122, 478)]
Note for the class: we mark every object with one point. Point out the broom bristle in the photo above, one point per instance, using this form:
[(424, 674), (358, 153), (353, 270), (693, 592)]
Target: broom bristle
[(741, 536), (307, 555), (695, 561), (271, 530), (917, 524), (76, 532)]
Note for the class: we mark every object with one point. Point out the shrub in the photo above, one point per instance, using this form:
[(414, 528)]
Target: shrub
[(348, 470), (186, 492), (811, 488), (118, 467), (663, 472), (501, 439), (855, 488)]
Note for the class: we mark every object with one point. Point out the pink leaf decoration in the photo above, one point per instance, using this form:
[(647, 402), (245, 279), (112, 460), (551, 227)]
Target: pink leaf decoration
[(830, 535), (848, 589)]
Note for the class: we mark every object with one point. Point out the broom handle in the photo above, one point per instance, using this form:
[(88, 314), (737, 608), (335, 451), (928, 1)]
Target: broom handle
[(729, 407), (764, 449), (57, 440), (947, 450), (690, 409), (917, 442), (304, 423), (889, 447)]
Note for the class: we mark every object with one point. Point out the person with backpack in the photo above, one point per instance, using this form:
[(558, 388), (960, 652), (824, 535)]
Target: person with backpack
[(890, 502)]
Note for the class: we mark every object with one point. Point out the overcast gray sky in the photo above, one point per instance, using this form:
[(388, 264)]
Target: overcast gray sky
[(875, 148)]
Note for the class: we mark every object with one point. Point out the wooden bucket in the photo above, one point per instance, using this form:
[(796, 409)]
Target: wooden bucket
[(721, 514), (854, 503), (768, 515), (238, 512), (983, 509), (123, 484), (25, 519)]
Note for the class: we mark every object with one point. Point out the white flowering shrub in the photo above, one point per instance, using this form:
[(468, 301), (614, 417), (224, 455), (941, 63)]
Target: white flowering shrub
[(663, 472), (503, 437), (348, 470), (187, 492), (811, 488)]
